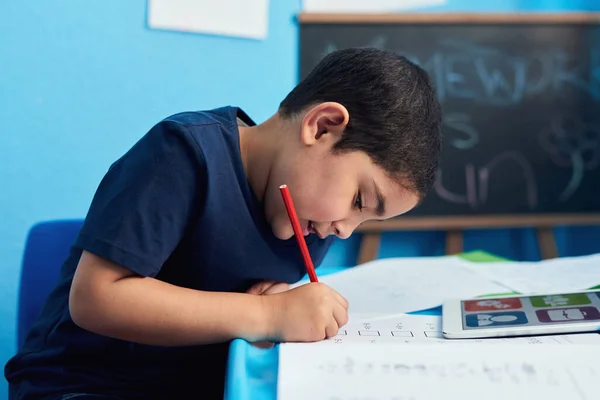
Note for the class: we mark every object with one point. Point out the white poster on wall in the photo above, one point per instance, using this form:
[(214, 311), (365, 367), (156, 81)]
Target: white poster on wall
[(238, 18), (367, 6)]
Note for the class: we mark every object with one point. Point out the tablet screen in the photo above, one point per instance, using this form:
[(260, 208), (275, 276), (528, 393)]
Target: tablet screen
[(531, 310)]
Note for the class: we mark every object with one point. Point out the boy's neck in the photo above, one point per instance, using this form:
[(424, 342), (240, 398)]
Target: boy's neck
[(258, 147)]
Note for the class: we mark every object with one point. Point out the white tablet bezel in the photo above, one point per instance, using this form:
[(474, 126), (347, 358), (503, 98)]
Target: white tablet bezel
[(452, 327)]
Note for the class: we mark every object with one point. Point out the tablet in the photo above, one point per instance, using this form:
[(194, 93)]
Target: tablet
[(522, 315)]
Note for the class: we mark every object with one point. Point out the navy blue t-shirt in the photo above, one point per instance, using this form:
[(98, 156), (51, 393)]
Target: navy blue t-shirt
[(178, 207)]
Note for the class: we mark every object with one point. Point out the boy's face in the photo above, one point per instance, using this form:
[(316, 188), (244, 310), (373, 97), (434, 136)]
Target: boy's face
[(332, 194)]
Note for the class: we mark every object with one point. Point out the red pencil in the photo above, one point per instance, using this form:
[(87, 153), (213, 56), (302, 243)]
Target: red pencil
[(289, 205)]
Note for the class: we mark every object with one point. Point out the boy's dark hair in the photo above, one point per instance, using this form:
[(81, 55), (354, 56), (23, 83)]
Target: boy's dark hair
[(395, 116)]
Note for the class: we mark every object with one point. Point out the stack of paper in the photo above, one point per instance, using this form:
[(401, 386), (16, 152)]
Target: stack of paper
[(397, 285), (408, 329), (383, 353), (557, 275), (438, 372)]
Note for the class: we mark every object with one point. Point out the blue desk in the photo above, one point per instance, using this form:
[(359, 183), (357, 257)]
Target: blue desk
[(252, 371)]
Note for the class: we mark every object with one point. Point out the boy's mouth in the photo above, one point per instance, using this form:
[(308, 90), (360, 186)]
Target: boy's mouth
[(308, 228)]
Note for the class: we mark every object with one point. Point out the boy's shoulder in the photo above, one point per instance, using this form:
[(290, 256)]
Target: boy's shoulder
[(225, 116), (211, 135)]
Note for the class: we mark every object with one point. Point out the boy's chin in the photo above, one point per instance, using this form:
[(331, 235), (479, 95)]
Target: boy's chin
[(282, 231)]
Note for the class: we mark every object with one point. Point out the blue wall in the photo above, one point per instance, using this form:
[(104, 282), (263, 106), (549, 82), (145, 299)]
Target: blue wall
[(80, 82)]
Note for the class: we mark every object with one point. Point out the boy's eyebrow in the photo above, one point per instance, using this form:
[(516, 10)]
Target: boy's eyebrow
[(380, 210)]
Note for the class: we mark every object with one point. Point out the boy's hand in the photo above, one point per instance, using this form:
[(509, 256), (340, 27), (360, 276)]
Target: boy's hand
[(268, 287), (308, 313)]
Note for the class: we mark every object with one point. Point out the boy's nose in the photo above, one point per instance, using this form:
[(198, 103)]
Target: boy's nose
[(343, 229)]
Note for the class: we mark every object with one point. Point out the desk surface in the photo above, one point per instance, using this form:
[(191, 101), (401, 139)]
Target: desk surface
[(252, 371)]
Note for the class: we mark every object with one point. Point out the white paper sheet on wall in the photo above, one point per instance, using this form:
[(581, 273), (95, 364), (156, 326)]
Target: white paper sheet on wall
[(371, 6), (239, 18)]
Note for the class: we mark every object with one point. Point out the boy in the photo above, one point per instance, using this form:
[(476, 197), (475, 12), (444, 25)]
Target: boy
[(187, 243)]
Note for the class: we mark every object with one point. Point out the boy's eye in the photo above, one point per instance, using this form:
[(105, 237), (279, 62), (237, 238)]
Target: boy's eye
[(358, 202)]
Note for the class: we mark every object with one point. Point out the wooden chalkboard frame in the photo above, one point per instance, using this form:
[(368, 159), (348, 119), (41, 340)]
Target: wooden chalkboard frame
[(455, 224), (435, 18)]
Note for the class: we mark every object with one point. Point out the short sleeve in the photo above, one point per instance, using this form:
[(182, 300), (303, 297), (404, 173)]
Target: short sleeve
[(147, 200)]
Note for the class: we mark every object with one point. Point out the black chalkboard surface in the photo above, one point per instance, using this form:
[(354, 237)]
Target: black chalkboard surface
[(521, 103)]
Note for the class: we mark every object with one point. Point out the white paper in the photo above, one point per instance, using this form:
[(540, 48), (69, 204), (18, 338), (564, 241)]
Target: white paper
[(418, 372), (372, 6), (397, 285), (241, 18), (408, 329), (556, 275)]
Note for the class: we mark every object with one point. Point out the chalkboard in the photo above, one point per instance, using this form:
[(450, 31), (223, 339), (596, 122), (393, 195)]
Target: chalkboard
[(521, 103)]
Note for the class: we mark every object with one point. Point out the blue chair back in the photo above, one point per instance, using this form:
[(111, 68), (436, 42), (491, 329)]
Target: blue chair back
[(47, 247)]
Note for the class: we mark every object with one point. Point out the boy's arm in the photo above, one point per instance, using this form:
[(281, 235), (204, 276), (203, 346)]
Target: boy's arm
[(112, 301)]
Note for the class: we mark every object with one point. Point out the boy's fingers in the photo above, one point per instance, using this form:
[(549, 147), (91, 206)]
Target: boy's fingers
[(341, 299), (263, 344), (277, 288), (331, 330), (268, 287), (340, 315), (260, 287)]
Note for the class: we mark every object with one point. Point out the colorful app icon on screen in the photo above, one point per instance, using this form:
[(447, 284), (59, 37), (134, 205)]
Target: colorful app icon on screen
[(495, 319), (493, 304), (560, 300), (568, 314)]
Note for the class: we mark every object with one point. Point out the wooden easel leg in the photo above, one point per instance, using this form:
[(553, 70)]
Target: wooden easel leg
[(454, 242), (369, 247), (547, 243)]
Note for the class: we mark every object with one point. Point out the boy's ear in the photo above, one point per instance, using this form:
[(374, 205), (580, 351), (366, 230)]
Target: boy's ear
[(324, 122)]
